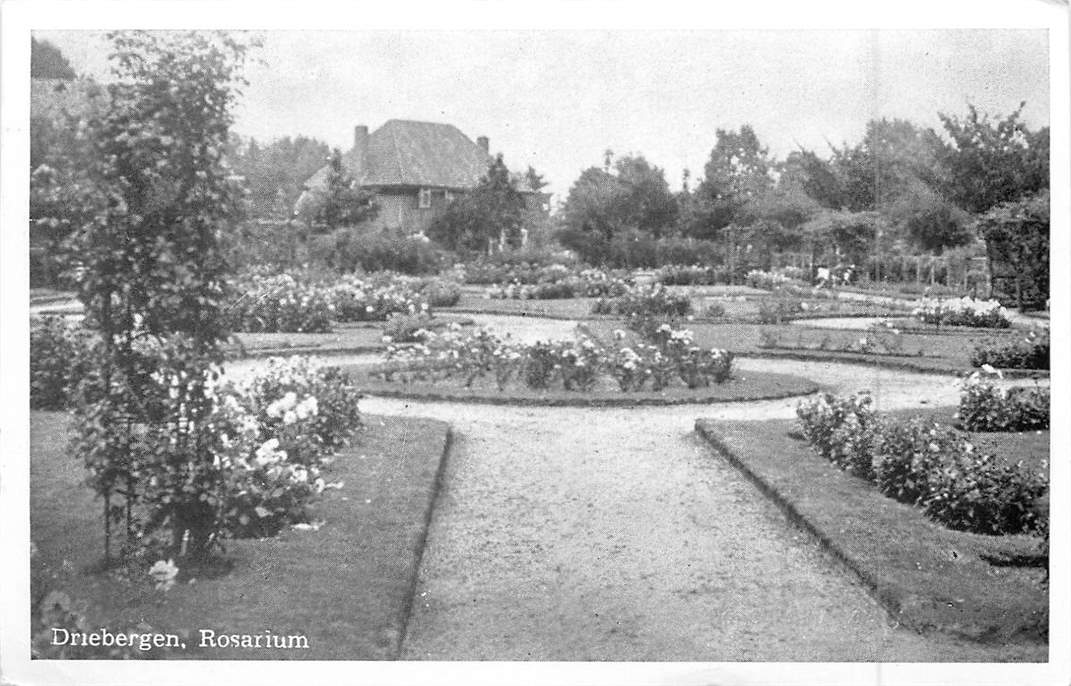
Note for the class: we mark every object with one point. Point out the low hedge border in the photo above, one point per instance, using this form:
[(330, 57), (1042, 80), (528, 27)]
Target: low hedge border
[(927, 577), (798, 386), (886, 361)]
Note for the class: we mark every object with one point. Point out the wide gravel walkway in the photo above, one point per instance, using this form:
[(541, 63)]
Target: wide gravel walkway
[(616, 534)]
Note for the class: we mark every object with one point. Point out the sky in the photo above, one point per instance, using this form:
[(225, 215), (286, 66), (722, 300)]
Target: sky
[(557, 99)]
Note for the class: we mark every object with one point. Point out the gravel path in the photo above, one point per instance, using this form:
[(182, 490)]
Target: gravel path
[(615, 534)]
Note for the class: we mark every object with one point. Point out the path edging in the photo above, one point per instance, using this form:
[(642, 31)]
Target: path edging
[(897, 601), (421, 544)]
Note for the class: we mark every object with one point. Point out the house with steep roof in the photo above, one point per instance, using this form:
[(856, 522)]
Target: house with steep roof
[(415, 169)]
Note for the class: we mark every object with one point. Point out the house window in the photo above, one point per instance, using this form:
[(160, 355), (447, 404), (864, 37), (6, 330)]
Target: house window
[(424, 199)]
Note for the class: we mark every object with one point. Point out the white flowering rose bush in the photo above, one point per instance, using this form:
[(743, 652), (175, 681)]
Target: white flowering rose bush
[(276, 432), (964, 311), (984, 407), (283, 303), (841, 429), (922, 463)]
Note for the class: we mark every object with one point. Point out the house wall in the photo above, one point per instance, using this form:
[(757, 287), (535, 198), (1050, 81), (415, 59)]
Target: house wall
[(399, 210)]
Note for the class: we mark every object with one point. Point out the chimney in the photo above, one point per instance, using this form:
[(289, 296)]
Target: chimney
[(360, 151), (484, 144)]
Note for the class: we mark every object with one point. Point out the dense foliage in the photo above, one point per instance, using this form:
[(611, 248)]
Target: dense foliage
[(984, 407), (491, 214), (59, 358), (152, 197), (921, 463), (1028, 352)]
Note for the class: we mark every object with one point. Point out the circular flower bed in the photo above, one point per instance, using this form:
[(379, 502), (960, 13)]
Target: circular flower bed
[(667, 368)]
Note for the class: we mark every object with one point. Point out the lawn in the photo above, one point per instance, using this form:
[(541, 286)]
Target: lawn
[(948, 352), (347, 586), (986, 588)]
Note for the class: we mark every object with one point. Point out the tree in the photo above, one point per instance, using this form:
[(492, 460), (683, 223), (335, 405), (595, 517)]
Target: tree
[(893, 155), (47, 62), (156, 198), (275, 172), (992, 161), (341, 203), (534, 179), (928, 220), (737, 171), (632, 197), (492, 212), (1017, 241)]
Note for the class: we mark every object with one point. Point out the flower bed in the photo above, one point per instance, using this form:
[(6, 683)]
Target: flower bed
[(558, 282), (645, 307), (1029, 352), (692, 275), (768, 281), (925, 464), (984, 407), (962, 312), (576, 365), (285, 304)]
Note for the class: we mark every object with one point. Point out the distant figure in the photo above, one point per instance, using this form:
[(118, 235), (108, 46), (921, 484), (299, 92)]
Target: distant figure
[(821, 277)]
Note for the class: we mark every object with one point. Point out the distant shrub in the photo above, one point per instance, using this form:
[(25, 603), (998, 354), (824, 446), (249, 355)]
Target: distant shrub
[(1029, 352), (59, 352), (407, 328), (350, 249), (440, 292)]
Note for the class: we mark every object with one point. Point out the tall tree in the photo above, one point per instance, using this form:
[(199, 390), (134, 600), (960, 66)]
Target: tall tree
[(632, 196), (491, 212), (47, 62), (738, 171), (993, 160)]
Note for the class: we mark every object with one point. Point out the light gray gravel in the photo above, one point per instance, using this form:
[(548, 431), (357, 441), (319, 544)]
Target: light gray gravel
[(615, 534)]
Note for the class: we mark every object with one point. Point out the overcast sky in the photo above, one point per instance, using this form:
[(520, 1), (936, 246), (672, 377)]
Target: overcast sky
[(558, 99)]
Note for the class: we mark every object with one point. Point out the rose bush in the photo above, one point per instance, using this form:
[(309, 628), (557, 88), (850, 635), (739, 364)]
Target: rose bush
[(964, 311), (984, 407), (922, 463)]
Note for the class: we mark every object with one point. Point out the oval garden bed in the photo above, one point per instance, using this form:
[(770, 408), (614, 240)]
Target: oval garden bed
[(605, 393)]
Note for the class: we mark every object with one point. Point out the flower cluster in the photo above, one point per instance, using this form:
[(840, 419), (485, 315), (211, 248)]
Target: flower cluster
[(984, 407), (767, 281), (577, 364), (279, 303), (282, 303), (646, 308), (922, 463), (275, 432), (560, 282), (964, 311)]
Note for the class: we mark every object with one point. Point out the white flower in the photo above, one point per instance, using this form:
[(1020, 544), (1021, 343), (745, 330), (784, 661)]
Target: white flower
[(289, 417), (164, 574)]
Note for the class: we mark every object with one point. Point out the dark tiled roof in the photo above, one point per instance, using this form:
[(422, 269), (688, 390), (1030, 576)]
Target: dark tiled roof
[(416, 153)]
